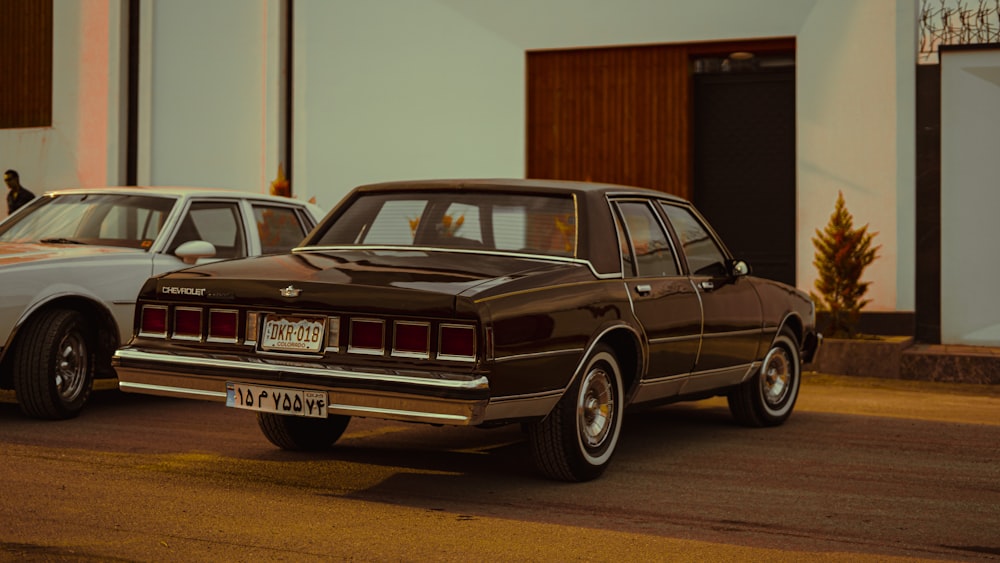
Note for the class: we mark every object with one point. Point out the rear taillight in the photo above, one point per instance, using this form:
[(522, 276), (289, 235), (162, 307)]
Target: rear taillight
[(223, 325), (411, 339), (153, 321), (457, 342), (367, 336), (187, 323)]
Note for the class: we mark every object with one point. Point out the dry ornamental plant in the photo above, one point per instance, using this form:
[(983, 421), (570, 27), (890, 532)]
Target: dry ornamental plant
[(842, 254)]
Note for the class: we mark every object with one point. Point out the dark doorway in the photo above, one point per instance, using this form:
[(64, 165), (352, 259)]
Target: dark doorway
[(744, 159)]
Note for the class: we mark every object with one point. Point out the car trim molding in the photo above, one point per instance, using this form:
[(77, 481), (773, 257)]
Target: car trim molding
[(665, 339), (124, 356), (522, 406), (547, 257), (688, 383), (748, 332), (538, 354)]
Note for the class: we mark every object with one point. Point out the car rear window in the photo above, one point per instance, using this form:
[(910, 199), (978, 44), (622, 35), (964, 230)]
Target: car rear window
[(535, 224)]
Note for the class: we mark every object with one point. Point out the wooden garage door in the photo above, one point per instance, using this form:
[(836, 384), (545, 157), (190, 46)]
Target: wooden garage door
[(611, 115), (642, 116)]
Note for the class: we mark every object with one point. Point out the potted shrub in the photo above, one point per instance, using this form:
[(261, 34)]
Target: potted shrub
[(842, 254)]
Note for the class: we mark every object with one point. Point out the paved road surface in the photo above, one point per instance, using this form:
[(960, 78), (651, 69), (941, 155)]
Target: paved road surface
[(865, 470)]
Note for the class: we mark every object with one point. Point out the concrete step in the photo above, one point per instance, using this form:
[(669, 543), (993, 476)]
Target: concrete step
[(951, 363)]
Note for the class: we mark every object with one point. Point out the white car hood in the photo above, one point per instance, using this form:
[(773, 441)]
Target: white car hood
[(22, 253)]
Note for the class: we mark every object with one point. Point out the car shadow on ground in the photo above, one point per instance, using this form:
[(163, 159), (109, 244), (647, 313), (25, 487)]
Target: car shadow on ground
[(444, 462)]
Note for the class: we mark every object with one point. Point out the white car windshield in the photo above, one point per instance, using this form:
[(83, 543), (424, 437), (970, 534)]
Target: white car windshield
[(132, 221)]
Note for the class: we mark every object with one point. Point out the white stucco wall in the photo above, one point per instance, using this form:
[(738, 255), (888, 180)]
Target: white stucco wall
[(970, 196), (855, 96), (210, 74), (79, 149), (401, 89), (436, 88)]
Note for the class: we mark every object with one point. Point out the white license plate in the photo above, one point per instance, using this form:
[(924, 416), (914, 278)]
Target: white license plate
[(292, 334), (278, 400)]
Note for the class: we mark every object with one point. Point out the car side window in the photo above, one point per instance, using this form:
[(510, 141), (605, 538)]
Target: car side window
[(649, 243), (280, 228), (704, 256), (214, 222)]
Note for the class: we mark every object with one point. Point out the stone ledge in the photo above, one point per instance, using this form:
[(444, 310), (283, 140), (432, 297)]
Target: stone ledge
[(877, 357), (952, 364), (897, 357)]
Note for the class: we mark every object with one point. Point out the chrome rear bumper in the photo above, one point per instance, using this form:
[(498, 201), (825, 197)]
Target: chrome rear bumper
[(431, 397)]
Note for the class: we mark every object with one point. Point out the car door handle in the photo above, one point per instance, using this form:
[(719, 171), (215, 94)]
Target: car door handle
[(643, 289), (707, 285)]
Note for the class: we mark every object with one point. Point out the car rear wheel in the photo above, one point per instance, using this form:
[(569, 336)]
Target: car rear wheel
[(54, 365), (767, 399), (298, 433), (576, 441)]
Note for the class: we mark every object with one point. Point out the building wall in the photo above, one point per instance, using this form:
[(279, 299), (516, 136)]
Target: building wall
[(210, 73), (400, 89), (81, 146), (436, 88), (970, 198), (855, 99)]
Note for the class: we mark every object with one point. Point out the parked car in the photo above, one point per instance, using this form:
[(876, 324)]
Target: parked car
[(551, 304), (72, 262)]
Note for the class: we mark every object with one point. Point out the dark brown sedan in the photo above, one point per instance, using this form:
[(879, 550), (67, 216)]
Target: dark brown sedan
[(480, 302)]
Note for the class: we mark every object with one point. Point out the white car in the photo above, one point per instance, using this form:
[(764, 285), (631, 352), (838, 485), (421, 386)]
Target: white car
[(72, 263)]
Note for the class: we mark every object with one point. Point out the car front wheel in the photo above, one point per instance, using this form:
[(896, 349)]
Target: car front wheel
[(767, 399), (576, 441), (54, 365), (298, 433)]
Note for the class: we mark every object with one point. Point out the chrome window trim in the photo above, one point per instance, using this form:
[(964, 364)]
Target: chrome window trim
[(614, 202), (397, 248)]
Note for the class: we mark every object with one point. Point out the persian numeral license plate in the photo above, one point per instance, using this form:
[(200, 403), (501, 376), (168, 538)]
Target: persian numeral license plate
[(278, 400), (292, 334)]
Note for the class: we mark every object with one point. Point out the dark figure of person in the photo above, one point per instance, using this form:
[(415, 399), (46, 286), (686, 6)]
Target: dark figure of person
[(17, 195)]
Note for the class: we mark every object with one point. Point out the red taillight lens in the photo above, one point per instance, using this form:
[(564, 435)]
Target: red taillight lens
[(367, 336), (412, 339), (457, 342), (222, 325), (153, 321), (187, 323)]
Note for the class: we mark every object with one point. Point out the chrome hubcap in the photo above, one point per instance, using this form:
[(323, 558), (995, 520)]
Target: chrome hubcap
[(71, 366), (777, 376), (595, 408)]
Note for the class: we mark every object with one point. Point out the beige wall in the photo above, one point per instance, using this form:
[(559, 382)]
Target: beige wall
[(970, 196), (855, 96), (435, 88)]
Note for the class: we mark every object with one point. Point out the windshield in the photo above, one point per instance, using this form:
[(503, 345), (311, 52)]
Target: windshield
[(132, 221), (534, 224)]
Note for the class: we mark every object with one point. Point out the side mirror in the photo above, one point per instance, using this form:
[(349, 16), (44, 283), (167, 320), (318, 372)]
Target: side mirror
[(738, 268), (193, 250)]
